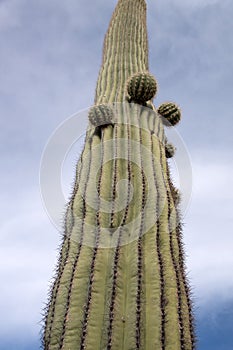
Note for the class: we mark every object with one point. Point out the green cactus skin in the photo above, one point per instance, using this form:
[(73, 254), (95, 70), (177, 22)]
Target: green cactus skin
[(120, 285), (169, 150), (141, 87), (101, 115), (170, 112)]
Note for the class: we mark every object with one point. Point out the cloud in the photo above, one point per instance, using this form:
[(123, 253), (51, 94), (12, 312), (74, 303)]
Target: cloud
[(208, 230), (27, 250), (208, 225), (190, 54)]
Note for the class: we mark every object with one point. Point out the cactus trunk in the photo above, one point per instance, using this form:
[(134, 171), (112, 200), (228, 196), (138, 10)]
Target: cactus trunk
[(120, 282)]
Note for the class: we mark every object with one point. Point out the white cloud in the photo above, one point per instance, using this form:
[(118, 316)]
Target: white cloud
[(211, 178), (208, 230), (28, 245)]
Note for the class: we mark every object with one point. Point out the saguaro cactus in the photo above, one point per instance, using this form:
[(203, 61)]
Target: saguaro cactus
[(120, 282)]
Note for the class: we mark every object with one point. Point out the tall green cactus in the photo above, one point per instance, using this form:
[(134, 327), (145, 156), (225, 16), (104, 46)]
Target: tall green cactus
[(120, 282)]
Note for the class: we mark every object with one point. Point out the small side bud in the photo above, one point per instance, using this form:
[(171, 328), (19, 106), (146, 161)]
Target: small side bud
[(170, 112), (169, 150), (101, 115), (141, 87)]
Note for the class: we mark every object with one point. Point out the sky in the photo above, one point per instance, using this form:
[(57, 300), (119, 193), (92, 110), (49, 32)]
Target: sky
[(50, 58)]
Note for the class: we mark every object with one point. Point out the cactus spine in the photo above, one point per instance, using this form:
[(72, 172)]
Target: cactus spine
[(120, 281)]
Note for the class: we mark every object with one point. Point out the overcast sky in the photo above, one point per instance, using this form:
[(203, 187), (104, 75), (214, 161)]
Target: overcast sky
[(49, 63)]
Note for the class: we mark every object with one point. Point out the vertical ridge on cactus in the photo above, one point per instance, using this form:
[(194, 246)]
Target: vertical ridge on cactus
[(121, 281), (125, 50)]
